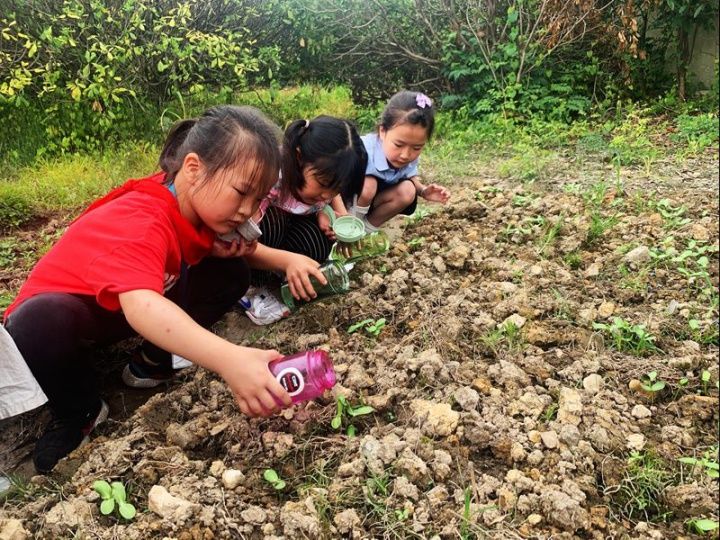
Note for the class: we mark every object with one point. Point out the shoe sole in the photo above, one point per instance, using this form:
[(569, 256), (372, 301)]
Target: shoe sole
[(263, 322), (140, 382)]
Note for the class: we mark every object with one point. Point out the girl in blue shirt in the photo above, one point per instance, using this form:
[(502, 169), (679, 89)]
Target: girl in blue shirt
[(392, 184)]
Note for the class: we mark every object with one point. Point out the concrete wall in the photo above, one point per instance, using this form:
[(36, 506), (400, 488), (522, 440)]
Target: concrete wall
[(705, 55)]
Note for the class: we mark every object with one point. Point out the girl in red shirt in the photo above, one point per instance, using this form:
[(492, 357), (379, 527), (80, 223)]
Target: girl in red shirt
[(145, 260)]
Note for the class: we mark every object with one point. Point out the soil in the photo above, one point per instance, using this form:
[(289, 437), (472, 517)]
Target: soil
[(476, 432)]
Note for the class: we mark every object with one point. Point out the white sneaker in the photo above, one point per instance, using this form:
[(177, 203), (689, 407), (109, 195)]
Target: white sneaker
[(262, 307)]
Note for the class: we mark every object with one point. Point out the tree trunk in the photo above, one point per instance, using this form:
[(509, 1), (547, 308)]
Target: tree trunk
[(683, 61)]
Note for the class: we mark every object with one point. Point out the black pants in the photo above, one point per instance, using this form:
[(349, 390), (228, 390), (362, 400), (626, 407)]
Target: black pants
[(291, 232), (56, 332)]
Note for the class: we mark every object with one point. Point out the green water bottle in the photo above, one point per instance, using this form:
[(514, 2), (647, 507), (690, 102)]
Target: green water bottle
[(370, 245), (338, 282)]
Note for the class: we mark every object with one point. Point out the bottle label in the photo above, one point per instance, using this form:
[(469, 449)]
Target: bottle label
[(291, 380)]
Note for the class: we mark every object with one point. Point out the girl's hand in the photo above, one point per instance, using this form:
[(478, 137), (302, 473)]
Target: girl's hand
[(435, 193), (254, 387), (323, 221), (236, 248), (298, 271)]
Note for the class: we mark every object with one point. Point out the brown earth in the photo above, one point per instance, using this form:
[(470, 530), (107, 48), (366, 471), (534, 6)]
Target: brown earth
[(476, 432)]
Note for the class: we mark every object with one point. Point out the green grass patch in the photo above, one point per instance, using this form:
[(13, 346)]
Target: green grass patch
[(69, 182)]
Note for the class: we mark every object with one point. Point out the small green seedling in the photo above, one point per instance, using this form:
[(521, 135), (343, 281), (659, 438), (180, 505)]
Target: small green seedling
[(632, 338), (702, 526), (650, 382), (416, 242), (708, 462), (112, 495), (347, 411), (273, 478), (371, 326), (705, 379)]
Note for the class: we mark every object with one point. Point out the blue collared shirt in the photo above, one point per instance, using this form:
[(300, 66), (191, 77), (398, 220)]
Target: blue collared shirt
[(378, 165)]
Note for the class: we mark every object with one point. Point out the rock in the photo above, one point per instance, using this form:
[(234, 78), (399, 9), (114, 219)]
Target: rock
[(369, 448), (441, 463), (255, 515), (168, 506), (606, 309), (69, 514), (457, 256), (517, 452), (355, 467), (232, 478), (467, 398), (639, 255), (357, 378), (436, 419), (641, 411), (216, 468), (692, 499), (516, 319), (534, 519), (180, 435), (439, 265), (300, 519), (593, 383), (569, 434), (437, 495), (404, 488), (278, 443), (347, 520), (635, 441), (535, 457), (564, 510), (570, 406), (696, 407), (549, 439), (593, 270), (700, 233), (12, 529), (412, 466), (482, 385)]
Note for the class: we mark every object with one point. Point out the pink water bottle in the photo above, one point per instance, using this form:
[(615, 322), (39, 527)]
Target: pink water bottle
[(305, 375)]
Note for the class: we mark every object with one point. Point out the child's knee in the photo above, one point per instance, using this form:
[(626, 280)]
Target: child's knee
[(407, 192)]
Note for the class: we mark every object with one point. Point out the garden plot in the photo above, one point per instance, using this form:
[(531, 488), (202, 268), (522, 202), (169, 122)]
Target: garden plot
[(546, 366)]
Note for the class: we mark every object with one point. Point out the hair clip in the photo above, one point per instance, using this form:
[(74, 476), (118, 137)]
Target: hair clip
[(307, 125), (423, 101)]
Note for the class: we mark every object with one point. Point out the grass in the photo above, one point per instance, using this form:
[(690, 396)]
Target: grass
[(70, 182), (639, 495)]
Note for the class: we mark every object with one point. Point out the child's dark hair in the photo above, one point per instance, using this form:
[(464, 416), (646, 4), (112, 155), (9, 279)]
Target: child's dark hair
[(408, 107), (332, 148), (224, 137)]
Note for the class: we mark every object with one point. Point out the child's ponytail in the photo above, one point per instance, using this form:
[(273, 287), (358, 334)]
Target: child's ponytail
[(169, 161), (292, 163)]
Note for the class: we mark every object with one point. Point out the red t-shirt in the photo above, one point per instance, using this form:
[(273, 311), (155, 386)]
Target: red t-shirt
[(133, 238)]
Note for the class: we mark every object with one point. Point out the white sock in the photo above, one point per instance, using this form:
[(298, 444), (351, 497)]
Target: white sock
[(359, 211), (369, 227)]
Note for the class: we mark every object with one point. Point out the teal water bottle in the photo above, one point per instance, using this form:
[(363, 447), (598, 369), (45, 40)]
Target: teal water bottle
[(338, 282), (371, 245)]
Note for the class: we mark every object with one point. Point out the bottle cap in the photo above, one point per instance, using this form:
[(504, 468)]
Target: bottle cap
[(348, 229)]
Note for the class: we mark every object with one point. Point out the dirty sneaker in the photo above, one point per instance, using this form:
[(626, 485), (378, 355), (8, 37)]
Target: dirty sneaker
[(142, 373), (63, 435), (262, 307)]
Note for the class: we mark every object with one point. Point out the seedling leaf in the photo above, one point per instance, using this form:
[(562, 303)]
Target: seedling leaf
[(103, 488), (358, 325), (336, 421), (127, 510), (280, 484), (359, 411), (118, 491), (351, 431), (271, 476), (107, 507), (703, 525)]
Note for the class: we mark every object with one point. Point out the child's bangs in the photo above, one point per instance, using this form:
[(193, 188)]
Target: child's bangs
[(257, 165)]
